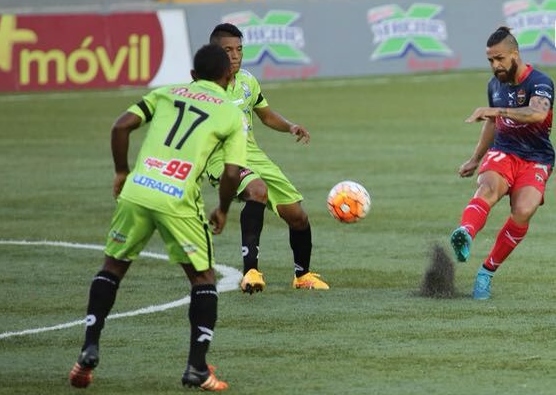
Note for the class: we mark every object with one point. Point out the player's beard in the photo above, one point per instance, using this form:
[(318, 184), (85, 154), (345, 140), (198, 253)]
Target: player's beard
[(507, 75)]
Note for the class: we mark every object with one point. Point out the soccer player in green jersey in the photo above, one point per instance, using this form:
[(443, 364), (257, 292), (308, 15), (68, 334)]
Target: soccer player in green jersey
[(262, 182), (188, 123)]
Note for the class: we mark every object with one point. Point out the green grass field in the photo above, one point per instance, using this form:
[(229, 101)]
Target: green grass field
[(401, 137)]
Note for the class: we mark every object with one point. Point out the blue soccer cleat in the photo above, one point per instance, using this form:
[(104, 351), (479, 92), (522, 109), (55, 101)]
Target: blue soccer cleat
[(461, 243), (481, 289)]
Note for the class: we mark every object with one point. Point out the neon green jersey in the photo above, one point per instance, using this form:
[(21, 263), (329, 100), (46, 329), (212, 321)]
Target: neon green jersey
[(246, 94), (188, 124)]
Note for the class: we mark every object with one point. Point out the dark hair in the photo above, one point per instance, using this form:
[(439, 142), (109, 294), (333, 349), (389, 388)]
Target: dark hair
[(501, 34), (225, 30), (211, 62)]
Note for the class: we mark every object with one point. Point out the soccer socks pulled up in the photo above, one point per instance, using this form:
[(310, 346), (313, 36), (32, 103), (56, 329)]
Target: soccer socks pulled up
[(475, 215), (251, 220), (102, 296), (301, 245), (202, 317), (507, 240)]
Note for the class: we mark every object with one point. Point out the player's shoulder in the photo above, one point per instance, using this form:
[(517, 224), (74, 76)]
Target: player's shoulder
[(230, 108), (245, 76), (245, 73), (157, 91), (493, 83), (539, 77), (166, 90), (202, 91)]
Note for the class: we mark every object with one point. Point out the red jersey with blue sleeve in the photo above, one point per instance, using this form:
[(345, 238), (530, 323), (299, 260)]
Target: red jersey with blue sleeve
[(528, 141)]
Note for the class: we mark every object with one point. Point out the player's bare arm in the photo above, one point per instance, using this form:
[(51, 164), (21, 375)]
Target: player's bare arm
[(537, 111), (124, 125), (227, 190), (275, 121), (467, 169), (482, 114)]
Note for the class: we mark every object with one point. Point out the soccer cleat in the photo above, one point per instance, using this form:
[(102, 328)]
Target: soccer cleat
[(205, 380), (252, 281), (81, 375), (481, 289), (309, 281), (461, 243)]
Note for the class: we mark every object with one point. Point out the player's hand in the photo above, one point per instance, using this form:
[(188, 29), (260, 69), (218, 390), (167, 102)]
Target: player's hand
[(301, 133), (217, 220), (119, 181), (482, 114), (467, 169)]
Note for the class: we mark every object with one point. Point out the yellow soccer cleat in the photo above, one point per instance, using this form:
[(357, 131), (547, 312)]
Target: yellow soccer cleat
[(309, 281), (252, 281)]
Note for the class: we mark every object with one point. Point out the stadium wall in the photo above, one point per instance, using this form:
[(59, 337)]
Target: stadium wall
[(117, 43)]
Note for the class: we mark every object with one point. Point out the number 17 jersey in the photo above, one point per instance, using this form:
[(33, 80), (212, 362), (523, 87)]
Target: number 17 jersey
[(188, 124)]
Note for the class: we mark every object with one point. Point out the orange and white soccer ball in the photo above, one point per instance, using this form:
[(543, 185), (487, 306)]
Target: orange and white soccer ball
[(348, 202)]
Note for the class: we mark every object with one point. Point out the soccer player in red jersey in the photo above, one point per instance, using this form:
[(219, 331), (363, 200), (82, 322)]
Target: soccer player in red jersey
[(514, 155)]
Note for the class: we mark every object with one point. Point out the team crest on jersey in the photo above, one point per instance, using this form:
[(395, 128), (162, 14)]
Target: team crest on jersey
[(521, 96)]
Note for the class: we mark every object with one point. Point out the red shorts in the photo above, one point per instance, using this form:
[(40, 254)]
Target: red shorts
[(517, 172)]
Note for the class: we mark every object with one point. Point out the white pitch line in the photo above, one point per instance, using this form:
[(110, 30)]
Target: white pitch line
[(229, 281)]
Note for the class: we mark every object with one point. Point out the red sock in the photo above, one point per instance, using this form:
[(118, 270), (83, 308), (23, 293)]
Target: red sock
[(475, 215), (508, 238)]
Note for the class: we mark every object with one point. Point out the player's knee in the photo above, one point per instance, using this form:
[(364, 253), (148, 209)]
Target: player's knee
[(115, 266), (294, 215), (300, 222), (523, 213), (257, 191), (204, 277), (488, 193)]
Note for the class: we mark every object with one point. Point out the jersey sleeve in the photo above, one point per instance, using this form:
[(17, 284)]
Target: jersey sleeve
[(235, 145), (146, 107), (489, 93), (259, 101), (543, 87)]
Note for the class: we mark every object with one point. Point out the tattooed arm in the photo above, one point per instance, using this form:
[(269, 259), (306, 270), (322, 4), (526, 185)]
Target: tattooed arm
[(537, 111)]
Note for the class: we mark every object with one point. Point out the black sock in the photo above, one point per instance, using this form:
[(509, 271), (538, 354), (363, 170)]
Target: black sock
[(301, 245), (252, 217), (202, 317), (102, 295)]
